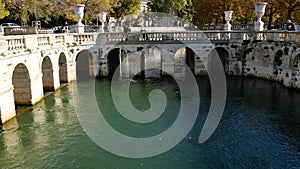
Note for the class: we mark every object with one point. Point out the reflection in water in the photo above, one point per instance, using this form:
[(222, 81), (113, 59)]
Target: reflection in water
[(11, 139), (259, 129), (39, 114), (59, 114)]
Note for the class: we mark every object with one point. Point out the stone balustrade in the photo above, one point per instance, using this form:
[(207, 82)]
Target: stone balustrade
[(22, 44), (43, 40), (84, 38), (10, 45), (16, 43), (204, 36), (60, 39)]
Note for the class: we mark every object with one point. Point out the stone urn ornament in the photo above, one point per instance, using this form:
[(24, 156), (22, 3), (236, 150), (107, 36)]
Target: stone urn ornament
[(260, 11), (79, 12), (228, 16), (102, 18)]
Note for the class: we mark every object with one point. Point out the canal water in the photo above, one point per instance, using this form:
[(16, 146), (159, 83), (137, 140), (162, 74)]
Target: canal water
[(260, 128)]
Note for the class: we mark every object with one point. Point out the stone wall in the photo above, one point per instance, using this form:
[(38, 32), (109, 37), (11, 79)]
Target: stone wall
[(275, 58), (278, 62), (268, 60)]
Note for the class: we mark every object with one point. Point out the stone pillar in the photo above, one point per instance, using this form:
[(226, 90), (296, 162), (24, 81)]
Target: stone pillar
[(152, 63), (260, 11), (56, 79), (102, 68), (134, 62), (79, 12), (228, 16), (201, 61), (124, 65), (179, 63), (37, 91), (167, 61), (7, 104), (71, 71)]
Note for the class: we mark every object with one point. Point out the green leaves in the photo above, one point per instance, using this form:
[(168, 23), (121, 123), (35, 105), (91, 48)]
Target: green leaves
[(125, 7), (3, 11), (168, 6)]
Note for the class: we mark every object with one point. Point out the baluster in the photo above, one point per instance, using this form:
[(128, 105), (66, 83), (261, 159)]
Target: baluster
[(23, 43), (113, 37), (122, 36), (8, 45), (14, 44), (19, 44), (152, 36)]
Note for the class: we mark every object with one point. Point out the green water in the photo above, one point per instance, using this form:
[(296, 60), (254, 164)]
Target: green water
[(259, 129)]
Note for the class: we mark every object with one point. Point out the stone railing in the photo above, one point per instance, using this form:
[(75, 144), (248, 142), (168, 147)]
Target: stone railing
[(11, 46), (233, 27), (203, 36), (60, 39), (20, 44), (88, 38), (16, 43), (43, 40)]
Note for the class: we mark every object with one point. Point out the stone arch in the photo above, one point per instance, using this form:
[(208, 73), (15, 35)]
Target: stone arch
[(188, 56), (114, 58), (222, 54), (47, 71), (22, 85), (63, 68), (85, 65), (277, 61)]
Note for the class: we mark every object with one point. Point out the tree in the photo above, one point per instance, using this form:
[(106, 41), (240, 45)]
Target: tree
[(168, 6), (92, 8), (212, 11), (18, 10), (3, 11), (272, 9), (187, 12), (291, 6), (122, 8)]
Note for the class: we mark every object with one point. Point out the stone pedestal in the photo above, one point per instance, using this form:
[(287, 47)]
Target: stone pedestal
[(258, 26), (102, 18), (79, 12), (259, 10), (228, 16)]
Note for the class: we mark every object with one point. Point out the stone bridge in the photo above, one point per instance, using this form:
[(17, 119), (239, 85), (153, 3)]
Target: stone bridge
[(31, 65)]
